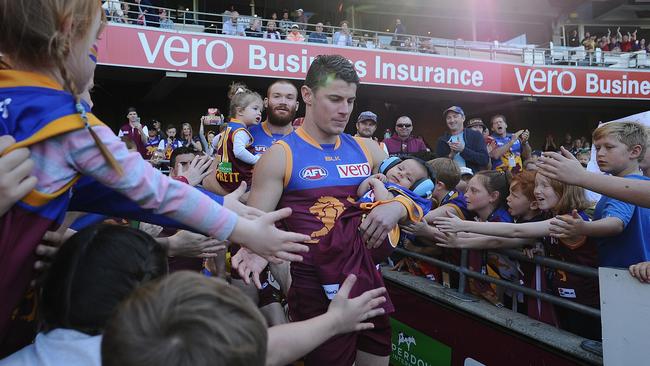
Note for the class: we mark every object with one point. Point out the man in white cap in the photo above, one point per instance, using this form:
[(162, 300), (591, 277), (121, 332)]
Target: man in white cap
[(465, 175), (294, 34)]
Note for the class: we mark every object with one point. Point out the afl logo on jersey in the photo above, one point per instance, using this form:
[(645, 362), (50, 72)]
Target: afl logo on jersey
[(313, 173)]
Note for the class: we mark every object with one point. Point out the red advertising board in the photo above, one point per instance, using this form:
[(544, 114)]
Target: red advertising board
[(139, 47)]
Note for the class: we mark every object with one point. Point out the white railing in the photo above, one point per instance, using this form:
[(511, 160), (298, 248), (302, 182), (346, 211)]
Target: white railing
[(192, 21)]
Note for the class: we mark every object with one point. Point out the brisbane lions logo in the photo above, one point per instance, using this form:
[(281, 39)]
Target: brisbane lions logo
[(327, 209)]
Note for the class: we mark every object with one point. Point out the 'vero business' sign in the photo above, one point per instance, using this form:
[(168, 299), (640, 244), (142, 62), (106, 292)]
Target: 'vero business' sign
[(198, 52)]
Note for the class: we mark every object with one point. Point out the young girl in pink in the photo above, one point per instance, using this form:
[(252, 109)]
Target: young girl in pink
[(48, 59)]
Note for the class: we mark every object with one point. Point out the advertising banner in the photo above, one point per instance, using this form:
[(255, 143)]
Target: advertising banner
[(410, 347), (151, 48)]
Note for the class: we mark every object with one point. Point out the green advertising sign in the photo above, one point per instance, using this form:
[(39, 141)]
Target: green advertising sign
[(410, 347)]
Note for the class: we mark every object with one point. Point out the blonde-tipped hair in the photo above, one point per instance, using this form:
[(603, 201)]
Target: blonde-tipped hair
[(241, 97), (628, 133), (571, 197)]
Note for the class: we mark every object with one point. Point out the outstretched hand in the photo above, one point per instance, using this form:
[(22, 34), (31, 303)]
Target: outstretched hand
[(350, 315), (567, 226), (561, 166), (249, 265), (415, 228), (188, 244), (233, 202), (449, 224), (196, 170), (262, 237), (46, 252)]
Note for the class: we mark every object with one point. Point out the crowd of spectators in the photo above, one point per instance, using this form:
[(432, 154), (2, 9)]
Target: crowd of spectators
[(296, 29), (472, 168), (617, 42)]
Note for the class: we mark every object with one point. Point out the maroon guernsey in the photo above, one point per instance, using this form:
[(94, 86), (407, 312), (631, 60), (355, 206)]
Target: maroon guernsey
[(232, 171), (320, 186)]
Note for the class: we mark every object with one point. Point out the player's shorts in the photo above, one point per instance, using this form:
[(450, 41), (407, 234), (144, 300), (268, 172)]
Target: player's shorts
[(271, 291), (305, 303)]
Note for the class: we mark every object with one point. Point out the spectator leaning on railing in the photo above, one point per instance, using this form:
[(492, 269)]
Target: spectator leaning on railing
[(113, 10), (343, 37), (285, 22), (233, 27), (254, 28), (271, 32), (294, 35), (165, 22), (318, 36)]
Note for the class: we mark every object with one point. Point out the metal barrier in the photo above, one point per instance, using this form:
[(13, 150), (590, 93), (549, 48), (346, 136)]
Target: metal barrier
[(194, 21), (464, 272)]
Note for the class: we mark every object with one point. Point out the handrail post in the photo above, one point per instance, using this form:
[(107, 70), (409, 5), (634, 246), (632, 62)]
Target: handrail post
[(462, 278)]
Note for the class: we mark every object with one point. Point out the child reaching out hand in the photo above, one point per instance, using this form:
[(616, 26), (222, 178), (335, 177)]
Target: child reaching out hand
[(40, 85), (554, 198)]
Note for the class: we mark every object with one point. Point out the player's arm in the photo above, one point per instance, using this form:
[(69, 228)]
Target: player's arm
[(268, 179), (265, 193)]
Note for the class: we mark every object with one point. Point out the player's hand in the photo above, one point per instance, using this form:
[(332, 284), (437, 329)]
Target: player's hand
[(262, 237), (350, 315), (379, 222), (249, 265)]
